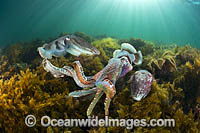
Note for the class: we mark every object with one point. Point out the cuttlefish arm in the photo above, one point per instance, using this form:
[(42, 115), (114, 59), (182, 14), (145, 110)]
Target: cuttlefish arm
[(138, 59), (76, 73), (81, 93), (56, 71)]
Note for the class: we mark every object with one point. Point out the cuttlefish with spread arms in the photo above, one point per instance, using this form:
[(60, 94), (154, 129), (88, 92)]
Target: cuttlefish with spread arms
[(67, 44), (102, 82)]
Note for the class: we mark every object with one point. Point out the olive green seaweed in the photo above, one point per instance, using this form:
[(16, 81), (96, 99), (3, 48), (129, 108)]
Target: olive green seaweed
[(26, 88)]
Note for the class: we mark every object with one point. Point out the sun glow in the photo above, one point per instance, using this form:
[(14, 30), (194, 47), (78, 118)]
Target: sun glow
[(139, 1)]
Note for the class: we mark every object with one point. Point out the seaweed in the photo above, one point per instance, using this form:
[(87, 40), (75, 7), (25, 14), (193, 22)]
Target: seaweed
[(12, 52), (162, 60), (6, 69), (106, 46), (188, 78), (162, 63), (185, 54), (25, 88)]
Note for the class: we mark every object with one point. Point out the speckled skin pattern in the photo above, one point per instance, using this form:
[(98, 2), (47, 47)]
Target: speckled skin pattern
[(141, 84)]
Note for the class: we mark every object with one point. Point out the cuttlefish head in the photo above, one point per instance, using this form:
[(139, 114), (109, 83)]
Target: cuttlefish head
[(127, 50), (81, 45)]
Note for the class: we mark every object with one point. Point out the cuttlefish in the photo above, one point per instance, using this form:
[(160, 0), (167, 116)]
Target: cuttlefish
[(103, 82), (141, 82), (67, 44)]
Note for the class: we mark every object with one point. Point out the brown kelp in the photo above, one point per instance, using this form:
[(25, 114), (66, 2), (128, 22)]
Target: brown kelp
[(25, 88)]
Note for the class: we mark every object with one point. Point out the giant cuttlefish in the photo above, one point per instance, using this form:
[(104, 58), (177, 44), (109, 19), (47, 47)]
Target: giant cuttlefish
[(141, 82), (67, 44), (104, 81)]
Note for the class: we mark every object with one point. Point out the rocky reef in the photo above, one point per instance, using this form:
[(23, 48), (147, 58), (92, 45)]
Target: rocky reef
[(25, 88)]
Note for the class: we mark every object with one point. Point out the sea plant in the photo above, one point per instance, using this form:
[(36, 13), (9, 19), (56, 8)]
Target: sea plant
[(162, 60), (175, 95)]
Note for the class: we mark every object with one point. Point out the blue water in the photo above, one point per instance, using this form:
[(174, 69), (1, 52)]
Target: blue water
[(167, 21)]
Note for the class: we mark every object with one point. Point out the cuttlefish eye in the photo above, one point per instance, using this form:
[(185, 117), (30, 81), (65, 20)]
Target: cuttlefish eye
[(67, 42)]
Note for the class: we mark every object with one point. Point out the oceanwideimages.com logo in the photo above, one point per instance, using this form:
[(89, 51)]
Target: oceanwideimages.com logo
[(46, 121)]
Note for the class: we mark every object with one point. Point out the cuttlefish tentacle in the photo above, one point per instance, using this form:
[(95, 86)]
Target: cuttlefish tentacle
[(81, 93), (105, 82), (109, 89), (94, 102)]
